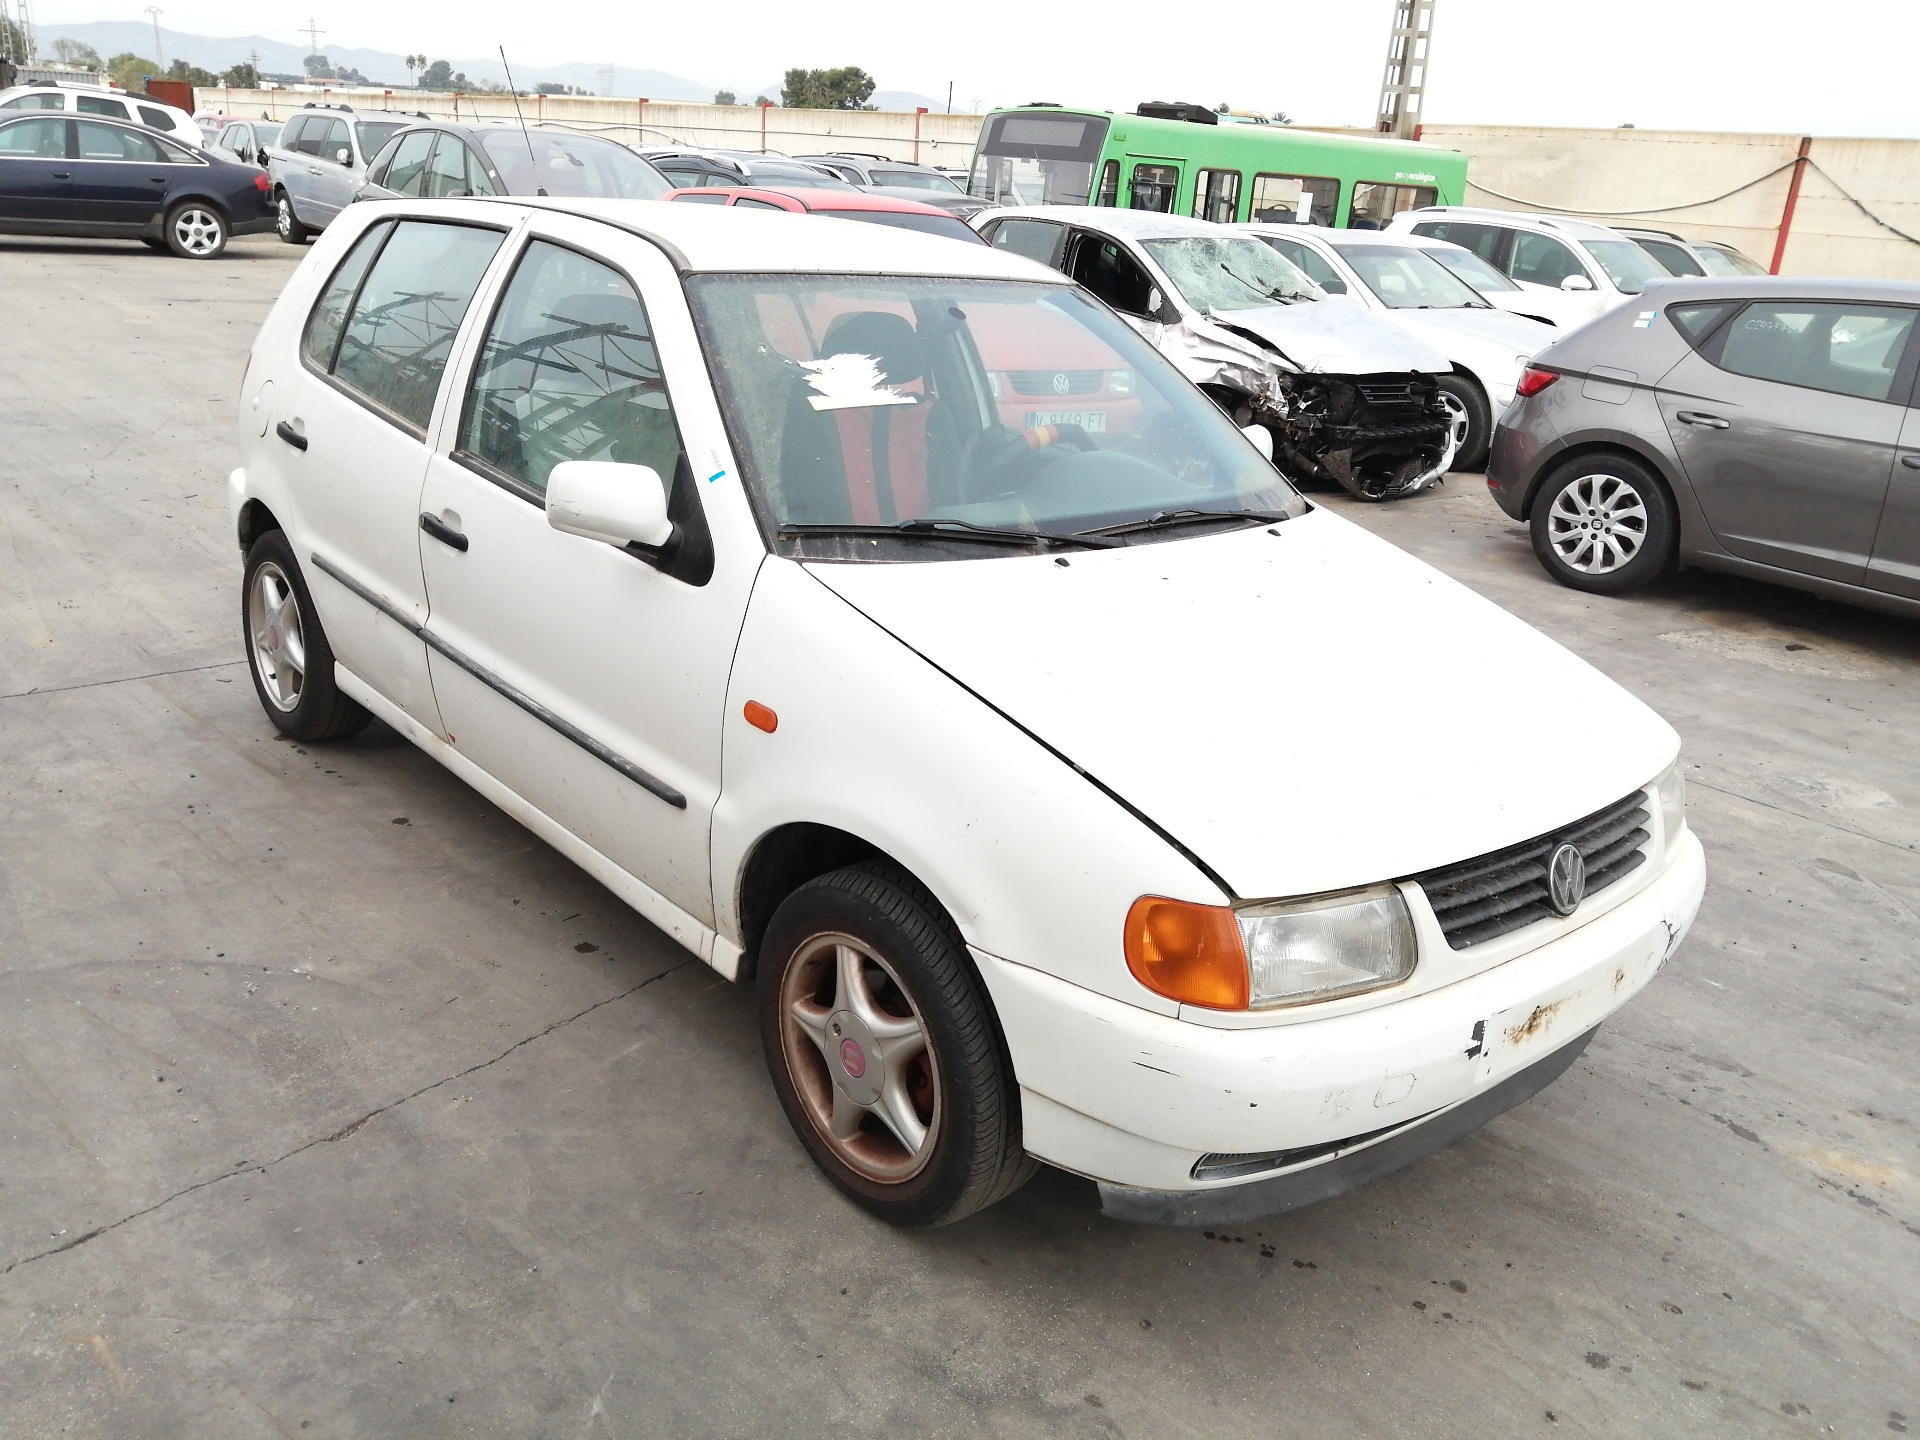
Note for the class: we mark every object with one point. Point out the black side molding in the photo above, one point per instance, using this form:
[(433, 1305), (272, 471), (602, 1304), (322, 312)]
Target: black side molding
[(647, 782)]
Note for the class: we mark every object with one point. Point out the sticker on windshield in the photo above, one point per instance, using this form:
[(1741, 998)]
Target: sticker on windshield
[(850, 382)]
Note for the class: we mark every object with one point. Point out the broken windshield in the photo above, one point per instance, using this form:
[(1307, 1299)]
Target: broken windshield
[(1231, 273)]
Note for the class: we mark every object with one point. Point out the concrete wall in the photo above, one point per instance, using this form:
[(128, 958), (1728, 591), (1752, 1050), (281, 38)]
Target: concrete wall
[(943, 139), (1600, 173)]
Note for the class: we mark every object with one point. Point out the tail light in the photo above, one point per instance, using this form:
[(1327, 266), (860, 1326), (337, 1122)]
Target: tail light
[(1533, 380)]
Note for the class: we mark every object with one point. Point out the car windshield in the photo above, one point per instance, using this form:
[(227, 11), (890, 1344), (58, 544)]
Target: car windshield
[(372, 134), (532, 161), (1406, 278), (1230, 272), (1627, 265), (989, 411), (1724, 262), (266, 132), (903, 220), (917, 180), (1472, 269)]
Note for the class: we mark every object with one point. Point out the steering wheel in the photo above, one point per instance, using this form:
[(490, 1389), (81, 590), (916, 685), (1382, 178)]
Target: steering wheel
[(1011, 457)]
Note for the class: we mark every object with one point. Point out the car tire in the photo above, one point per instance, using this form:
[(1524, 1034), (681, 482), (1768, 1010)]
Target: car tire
[(194, 230), (287, 650), (884, 1050), (1472, 419), (1605, 524), (286, 224), (152, 244)]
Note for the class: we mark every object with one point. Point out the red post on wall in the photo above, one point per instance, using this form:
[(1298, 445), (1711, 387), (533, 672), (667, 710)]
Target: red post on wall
[(1793, 199), (918, 111), (765, 104), (642, 103)]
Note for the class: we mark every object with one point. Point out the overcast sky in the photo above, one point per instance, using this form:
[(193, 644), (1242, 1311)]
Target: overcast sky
[(1844, 67)]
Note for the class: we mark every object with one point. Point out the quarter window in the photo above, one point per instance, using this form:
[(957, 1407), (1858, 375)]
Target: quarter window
[(1696, 322), (99, 105), (35, 140), (1295, 199), (393, 347), (158, 119), (1154, 186), (1844, 348), (570, 372), (1035, 239), (1216, 196), (1542, 260), (1375, 204)]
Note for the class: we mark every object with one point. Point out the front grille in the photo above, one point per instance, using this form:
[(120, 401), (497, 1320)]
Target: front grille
[(1387, 392), (1057, 382), (1492, 895)]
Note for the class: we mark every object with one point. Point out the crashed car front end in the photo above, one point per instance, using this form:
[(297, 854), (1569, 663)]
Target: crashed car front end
[(1379, 434)]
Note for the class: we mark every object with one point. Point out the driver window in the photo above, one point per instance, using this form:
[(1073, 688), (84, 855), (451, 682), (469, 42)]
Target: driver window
[(446, 176), (569, 372), (1542, 260), (407, 171), (1318, 268), (1106, 269)]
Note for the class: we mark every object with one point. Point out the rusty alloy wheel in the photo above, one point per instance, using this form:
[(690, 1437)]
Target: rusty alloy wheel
[(857, 1050)]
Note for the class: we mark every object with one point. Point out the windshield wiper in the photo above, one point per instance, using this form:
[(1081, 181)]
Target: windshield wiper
[(1284, 297), (1168, 518), (941, 529)]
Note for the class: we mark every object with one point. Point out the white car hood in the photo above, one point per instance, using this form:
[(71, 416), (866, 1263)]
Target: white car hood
[(1335, 336), (1302, 712), (1512, 334)]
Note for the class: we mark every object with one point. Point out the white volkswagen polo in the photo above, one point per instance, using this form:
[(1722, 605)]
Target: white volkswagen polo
[(1087, 798)]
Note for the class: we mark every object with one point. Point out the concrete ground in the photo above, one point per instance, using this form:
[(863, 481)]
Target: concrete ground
[(334, 1104)]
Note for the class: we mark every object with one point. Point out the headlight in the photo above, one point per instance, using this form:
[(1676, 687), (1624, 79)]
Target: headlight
[(1332, 945), (1670, 794)]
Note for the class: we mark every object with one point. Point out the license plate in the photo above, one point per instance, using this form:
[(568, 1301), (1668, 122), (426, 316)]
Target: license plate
[(1088, 420)]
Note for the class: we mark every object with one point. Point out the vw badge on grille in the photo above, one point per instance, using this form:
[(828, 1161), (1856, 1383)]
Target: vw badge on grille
[(1566, 879), (1062, 384)]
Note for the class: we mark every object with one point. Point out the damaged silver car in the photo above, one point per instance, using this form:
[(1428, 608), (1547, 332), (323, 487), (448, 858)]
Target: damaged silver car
[(1347, 396)]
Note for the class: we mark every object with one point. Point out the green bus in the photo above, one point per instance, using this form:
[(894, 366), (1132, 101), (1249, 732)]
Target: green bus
[(1179, 159)]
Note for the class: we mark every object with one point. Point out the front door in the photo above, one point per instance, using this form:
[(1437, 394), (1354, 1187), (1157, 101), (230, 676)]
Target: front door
[(119, 178), (1111, 271), (589, 679), (351, 440), (1783, 422), (330, 179), (1895, 565), (36, 177)]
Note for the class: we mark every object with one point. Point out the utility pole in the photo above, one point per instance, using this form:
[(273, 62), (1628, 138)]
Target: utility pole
[(313, 37), (158, 58), (606, 79), (1405, 82)]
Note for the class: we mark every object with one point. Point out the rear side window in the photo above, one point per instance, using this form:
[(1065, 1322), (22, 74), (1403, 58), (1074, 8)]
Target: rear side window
[(749, 203), (700, 197), (158, 119), (110, 142), (99, 105), (1482, 240), (403, 314), (569, 372), (1840, 346), (1035, 239)]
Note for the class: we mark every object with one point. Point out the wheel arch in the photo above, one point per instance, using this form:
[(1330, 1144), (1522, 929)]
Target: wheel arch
[(1607, 445), (255, 520), (784, 859)]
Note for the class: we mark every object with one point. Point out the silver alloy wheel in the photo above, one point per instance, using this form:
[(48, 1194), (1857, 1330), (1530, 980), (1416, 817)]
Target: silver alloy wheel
[(283, 218), (1597, 524), (1459, 420), (858, 1053), (198, 231), (276, 639)]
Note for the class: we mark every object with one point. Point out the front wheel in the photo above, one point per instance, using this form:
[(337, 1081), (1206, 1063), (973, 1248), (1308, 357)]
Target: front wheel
[(884, 1051), (287, 651), (196, 231), (1604, 524), (286, 224), (1470, 418)]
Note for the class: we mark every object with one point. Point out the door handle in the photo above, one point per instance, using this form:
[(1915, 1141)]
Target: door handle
[(1912, 462), (443, 532), (63, 174), (313, 169), (157, 179), (292, 436), (1700, 417)]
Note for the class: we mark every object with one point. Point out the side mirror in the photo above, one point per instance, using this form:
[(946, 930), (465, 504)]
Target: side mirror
[(606, 501), (343, 155), (1576, 282), (1262, 439)]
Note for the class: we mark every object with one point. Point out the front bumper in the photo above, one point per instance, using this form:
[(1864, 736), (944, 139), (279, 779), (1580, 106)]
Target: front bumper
[(1139, 1100)]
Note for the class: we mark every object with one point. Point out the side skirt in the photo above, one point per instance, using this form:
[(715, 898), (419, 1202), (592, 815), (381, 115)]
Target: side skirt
[(704, 941)]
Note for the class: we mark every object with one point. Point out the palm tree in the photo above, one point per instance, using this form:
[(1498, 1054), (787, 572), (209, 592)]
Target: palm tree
[(413, 63)]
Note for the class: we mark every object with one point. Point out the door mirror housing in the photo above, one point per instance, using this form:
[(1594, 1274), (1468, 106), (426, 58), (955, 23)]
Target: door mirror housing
[(343, 155), (1262, 439), (603, 500), (1576, 282)]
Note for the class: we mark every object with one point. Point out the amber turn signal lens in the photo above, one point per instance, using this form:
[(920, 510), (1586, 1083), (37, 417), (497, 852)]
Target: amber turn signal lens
[(760, 717), (1187, 952)]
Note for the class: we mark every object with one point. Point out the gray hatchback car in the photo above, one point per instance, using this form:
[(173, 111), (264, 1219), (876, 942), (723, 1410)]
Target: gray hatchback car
[(1764, 426)]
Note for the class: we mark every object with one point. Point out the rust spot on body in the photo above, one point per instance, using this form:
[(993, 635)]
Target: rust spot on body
[(1538, 1023)]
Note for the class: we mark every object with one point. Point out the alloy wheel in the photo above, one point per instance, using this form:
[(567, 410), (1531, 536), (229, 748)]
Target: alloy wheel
[(276, 638), (857, 1049), (1597, 524), (283, 218), (1459, 421), (197, 231)]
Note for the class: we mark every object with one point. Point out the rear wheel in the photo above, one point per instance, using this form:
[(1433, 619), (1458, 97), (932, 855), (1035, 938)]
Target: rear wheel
[(1470, 418), (287, 651), (286, 224), (884, 1050), (195, 231), (1604, 524)]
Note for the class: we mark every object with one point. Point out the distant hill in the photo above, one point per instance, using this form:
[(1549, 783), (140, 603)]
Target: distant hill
[(112, 37)]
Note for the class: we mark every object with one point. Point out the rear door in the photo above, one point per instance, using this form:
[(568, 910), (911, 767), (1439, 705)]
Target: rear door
[(36, 177), (1786, 421), (330, 174)]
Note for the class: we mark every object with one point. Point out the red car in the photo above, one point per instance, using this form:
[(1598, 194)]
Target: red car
[(838, 203)]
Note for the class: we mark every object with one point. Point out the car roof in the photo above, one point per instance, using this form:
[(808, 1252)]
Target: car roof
[(1328, 235), (816, 197), (1129, 224), (723, 239), (1791, 287), (1518, 219)]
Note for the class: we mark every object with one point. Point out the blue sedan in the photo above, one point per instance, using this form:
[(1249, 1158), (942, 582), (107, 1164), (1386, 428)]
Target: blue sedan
[(89, 176)]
